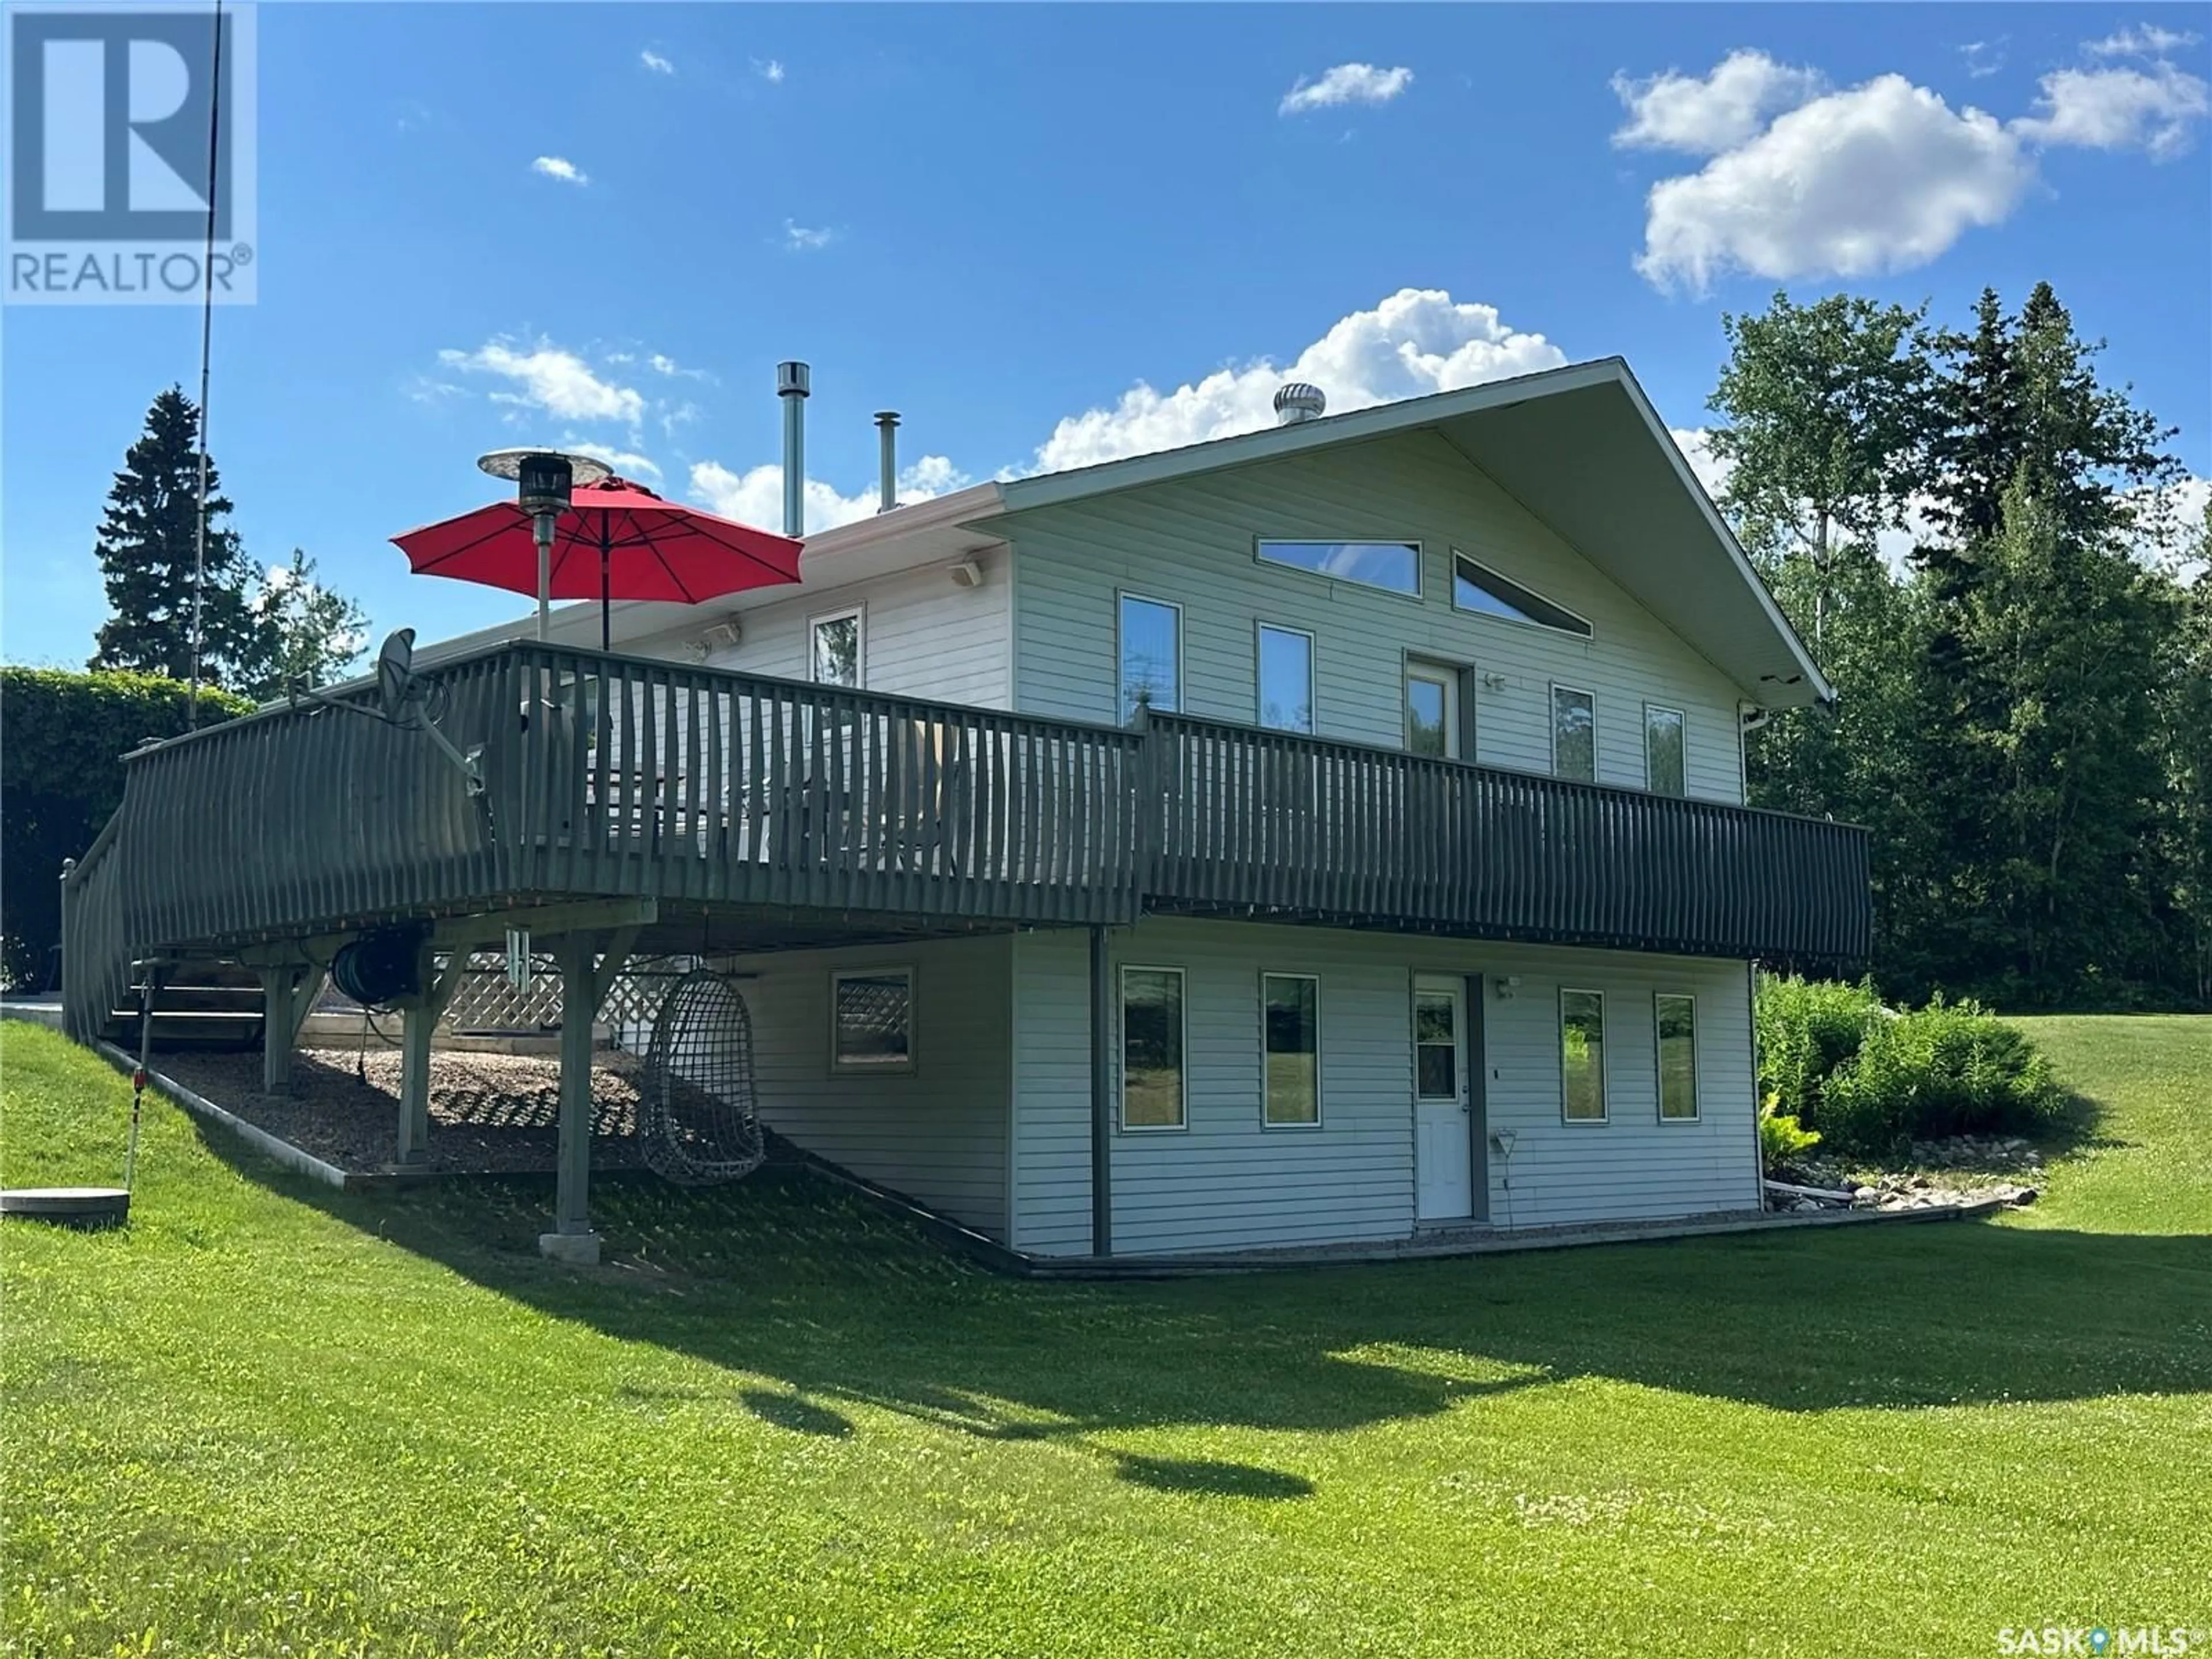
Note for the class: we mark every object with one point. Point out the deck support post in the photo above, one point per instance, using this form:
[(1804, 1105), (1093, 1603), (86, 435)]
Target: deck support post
[(1101, 1098), (585, 976), (287, 993), (418, 1025)]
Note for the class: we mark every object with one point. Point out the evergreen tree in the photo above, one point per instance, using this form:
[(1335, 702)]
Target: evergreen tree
[(2185, 832), (146, 550)]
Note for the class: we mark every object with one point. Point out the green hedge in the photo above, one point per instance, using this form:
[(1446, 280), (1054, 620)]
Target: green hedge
[(1869, 1079), (63, 737)]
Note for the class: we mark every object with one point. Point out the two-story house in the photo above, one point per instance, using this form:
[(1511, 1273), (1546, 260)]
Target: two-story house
[(1332, 832)]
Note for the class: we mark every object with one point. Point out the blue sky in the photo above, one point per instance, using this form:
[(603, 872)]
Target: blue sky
[(1006, 221)]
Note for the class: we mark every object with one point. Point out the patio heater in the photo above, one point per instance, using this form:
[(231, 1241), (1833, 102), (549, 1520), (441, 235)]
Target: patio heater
[(542, 481)]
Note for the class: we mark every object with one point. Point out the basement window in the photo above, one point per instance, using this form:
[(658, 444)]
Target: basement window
[(872, 1020), (1582, 1056), (1676, 1017)]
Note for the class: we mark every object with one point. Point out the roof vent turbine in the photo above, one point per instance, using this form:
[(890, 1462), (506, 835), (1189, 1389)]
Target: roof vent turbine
[(1299, 402)]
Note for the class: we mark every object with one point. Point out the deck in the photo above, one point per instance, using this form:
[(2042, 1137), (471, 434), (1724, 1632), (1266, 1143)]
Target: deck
[(738, 801)]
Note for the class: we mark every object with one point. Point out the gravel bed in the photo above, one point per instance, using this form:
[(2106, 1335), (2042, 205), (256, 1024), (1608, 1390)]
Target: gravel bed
[(488, 1112)]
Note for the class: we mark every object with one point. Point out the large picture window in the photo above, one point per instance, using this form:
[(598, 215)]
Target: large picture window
[(1676, 1017), (1153, 1096), (1394, 567), (1290, 1017), (1152, 656), (1479, 588), (1286, 678), (1574, 734), (1582, 1056), (1663, 765), (872, 1020)]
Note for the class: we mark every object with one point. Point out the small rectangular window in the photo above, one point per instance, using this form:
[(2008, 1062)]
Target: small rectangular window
[(1582, 1056), (1152, 1093), (1394, 567), (872, 1020), (1152, 656), (1479, 588), (1662, 750), (1574, 734), (1286, 678), (1290, 1012), (1677, 1020), (837, 644)]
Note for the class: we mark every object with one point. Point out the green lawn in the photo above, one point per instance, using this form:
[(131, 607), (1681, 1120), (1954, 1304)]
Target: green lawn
[(268, 1419)]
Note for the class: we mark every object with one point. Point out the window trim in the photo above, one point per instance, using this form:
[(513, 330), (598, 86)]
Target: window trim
[(1680, 714), (1121, 1123), (1604, 1067), (1120, 659), (859, 613), (839, 1065), (1587, 632), (1551, 711), (1260, 627), (1659, 1064), (1320, 1117), (1417, 595)]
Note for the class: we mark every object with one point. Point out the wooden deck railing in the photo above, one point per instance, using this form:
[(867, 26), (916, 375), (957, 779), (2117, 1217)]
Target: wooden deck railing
[(605, 775), (1262, 822), (616, 776)]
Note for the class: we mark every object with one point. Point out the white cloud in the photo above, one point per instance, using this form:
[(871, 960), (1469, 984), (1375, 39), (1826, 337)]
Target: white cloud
[(1672, 111), (771, 70), (1347, 83), (559, 166), (653, 61), (543, 376), (2148, 40), (1984, 58), (1696, 443), (662, 363), (2119, 109), (626, 462), (1417, 341), (756, 496), (802, 238), (1879, 178)]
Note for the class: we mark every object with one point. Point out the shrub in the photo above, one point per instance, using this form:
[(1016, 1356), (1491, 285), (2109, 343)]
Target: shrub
[(1947, 1069), (1807, 1028), (1781, 1137), (61, 776)]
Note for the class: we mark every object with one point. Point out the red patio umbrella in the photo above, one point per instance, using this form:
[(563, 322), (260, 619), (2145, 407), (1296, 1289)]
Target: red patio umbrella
[(617, 540)]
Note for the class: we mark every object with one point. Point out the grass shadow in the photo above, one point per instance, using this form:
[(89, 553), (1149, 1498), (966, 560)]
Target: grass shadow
[(1209, 1479), (788, 1277)]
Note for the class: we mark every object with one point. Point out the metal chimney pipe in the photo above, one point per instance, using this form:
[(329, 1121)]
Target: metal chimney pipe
[(793, 383), (887, 443)]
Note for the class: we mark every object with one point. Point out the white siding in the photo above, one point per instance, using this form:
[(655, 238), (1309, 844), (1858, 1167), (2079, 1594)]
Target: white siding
[(1191, 542), (1227, 1183), (938, 1134), (924, 636)]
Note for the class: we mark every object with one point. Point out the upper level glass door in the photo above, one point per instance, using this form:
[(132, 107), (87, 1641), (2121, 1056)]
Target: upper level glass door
[(1432, 710)]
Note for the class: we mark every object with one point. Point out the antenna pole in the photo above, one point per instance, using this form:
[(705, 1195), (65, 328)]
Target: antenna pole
[(207, 334)]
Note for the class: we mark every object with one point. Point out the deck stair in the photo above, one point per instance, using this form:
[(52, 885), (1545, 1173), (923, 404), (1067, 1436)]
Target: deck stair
[(201, 1005)]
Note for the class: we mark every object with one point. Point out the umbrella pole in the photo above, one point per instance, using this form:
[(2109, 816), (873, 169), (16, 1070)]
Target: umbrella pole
[(542, 525), (606, 625)]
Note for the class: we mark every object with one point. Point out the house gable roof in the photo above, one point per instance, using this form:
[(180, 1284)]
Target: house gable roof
[(1583, 449)]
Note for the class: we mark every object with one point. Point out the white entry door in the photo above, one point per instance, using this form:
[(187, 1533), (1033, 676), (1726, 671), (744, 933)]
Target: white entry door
[(1444, 1145)]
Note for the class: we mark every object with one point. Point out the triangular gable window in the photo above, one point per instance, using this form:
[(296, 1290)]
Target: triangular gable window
[(1478, 588)]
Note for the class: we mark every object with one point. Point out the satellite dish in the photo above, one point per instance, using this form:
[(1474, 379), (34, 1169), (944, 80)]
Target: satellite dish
[(395, 672)]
